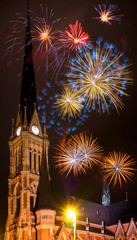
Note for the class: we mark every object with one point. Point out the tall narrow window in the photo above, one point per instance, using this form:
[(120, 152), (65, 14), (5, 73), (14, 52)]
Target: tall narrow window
[(16, 162), (19, 158), (34, 159), (25, 200), (11, 206), (30, 158), (18, 206), (39, 161), (31, 203)]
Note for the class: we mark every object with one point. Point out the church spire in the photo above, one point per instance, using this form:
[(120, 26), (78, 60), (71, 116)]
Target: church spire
[(105, 192), (28, 88), (44, 199)]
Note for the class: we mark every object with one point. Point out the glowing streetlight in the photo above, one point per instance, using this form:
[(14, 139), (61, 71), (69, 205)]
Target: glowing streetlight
[(72, 214)]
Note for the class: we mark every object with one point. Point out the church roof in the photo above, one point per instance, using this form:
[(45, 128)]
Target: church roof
[(109, 214), (81, 227), (28, 89)]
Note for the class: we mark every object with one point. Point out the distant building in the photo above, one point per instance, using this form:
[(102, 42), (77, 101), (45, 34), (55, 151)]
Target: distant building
[(31, 214)]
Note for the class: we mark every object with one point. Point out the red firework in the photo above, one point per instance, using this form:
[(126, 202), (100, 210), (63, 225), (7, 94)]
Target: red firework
[(74, 36)]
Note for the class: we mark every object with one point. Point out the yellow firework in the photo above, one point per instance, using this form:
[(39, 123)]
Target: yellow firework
[(78, 154), (69, 102), (100, 78), (118, 167)]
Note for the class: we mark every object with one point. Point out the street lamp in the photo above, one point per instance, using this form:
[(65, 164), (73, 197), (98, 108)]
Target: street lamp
[(72, 214)]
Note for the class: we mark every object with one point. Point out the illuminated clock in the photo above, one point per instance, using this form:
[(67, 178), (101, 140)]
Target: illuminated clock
[(18, 132), (35, 130)]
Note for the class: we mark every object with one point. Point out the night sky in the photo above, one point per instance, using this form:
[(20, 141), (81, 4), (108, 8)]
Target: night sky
[(118, 132)]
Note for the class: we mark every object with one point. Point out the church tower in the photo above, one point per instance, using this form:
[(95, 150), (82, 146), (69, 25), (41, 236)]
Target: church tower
[(26, 145)]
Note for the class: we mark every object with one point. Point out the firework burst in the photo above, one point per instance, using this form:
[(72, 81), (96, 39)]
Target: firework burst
[(50, 99), (69, 102), (108, 14), (101, 76), (71, 41), (43, 32), (78, 154), (74, 37), (118, 167)]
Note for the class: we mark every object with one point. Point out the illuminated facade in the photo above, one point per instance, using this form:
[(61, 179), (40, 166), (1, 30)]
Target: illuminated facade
[(31, 216)]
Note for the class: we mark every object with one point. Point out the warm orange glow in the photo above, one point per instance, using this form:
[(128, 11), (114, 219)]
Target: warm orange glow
[(76, 40), (44, 35), (105, 16)]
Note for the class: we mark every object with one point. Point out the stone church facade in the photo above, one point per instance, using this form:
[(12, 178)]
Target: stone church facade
[(28, 145)]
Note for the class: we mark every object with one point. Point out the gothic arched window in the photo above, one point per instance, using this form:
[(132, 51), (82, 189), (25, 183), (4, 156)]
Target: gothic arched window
[(19, 160), (16, 162), (39, 160), (30, 158), (35, 159), (31, 203)]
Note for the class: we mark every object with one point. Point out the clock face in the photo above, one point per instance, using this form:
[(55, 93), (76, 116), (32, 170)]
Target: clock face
[(35, 130), (18, 132)]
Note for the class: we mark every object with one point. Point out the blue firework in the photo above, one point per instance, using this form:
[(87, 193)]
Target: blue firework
[(47, 107)]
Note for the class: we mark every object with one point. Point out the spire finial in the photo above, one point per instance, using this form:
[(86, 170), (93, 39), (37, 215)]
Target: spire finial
[(44, 129), (18, 107), (46, 145), (102, 227), (35, 105), (28, 5), (12, 130), (28, 9)]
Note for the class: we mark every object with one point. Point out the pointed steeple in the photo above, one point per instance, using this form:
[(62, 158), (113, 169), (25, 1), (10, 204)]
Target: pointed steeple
[(12, 130), (28, 89), (44, 199), (105, 192), (18, 119)]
